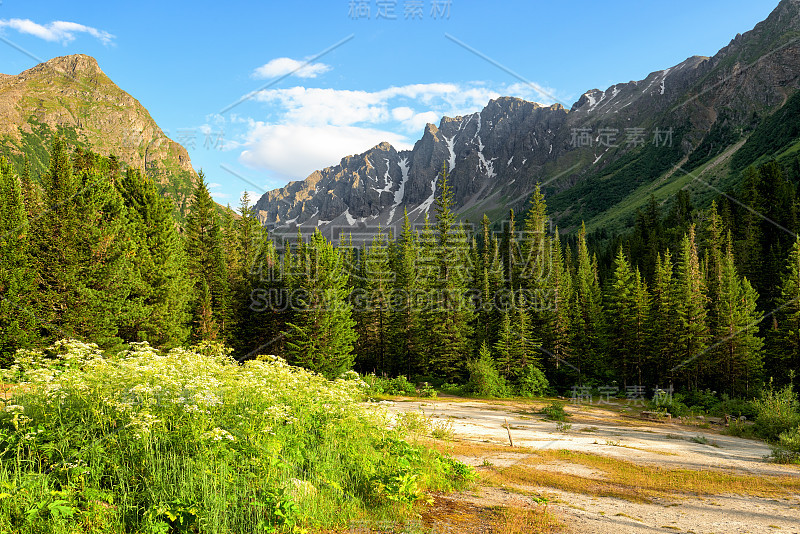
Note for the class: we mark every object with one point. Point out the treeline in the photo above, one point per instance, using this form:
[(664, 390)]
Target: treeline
[(92, 252)]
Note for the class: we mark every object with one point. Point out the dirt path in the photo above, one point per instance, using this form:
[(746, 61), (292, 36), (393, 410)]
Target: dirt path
[(481, 439)]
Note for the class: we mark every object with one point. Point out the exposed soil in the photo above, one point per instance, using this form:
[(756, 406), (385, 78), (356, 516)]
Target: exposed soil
[(615, 431)]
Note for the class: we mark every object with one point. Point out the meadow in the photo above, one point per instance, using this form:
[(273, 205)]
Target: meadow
[(145, 441)]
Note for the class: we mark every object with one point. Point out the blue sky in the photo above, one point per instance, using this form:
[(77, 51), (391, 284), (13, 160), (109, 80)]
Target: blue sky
[(383, 74)]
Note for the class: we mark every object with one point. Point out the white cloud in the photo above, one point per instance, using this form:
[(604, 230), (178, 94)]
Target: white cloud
[(218, 195), (59, 31), (284, 65), (403, 113), (295, 151), (307, 129), (419, 120)]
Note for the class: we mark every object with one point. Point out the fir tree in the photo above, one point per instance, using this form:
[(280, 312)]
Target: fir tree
[(452, 311), (158, 306), (622, 329), (738, 350), (693, 333), (321, 335), (207, 266), (587, 309), (406, 323), (16, 274)]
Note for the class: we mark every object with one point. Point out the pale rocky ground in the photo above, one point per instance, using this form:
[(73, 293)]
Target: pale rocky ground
[(614, 433)]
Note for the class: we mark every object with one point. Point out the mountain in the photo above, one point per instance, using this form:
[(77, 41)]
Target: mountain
[(71, 96), (679, 128)]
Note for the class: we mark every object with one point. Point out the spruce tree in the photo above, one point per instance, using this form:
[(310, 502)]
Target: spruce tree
[(641, 347), (587, 310), (406, 323), (83, 249), (16, 274), (788, 317), (663, 324), (321, 334), (738, 351), (622, 324), (556, 335), (693, 332), (453, 312), (158, 307), (373, 312), (207, 266)]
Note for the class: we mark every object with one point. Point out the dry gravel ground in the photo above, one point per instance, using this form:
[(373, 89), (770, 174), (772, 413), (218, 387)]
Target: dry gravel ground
[(480, 438)]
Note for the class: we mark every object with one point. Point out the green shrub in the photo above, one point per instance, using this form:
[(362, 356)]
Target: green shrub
[(532, 382), (740, 429), (555, 411), (378, 385), (776, 412), (484, 379), (734, 407), (788, 449), (701, 400)]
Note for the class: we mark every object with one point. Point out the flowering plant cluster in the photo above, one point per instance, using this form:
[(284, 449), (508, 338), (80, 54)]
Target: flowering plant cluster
[(149, 441)]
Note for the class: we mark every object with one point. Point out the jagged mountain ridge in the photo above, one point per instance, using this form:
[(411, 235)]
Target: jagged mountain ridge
[(73, 97), (496, 156)]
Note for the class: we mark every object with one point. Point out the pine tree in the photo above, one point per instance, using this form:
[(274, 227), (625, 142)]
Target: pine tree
[(83, 249), (406, 321), (205, 249), (788, 332), (621, 340), (587, 309), (738, 351), (16, 274), (321, 335), (556, 336), (157, 309), (373, 342), (693, 333), (453, 310)]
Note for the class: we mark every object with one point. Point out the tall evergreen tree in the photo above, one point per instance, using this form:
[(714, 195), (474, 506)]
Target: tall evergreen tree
[(158, 305), (207, 266), (321, 335), (83, 245), (373, 307), (693, 332), (787, 349), (406, 322), (587, 310), (16, 274), (739, 358), (453, 310), (622, 324)]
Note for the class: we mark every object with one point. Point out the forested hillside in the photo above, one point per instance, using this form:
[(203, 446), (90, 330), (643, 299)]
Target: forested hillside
[(693, 299)]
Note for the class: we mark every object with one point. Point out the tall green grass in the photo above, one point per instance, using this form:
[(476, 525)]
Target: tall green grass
[(191, 441)]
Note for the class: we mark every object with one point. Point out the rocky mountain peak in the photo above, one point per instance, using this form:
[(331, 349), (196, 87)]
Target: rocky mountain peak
[(71, 96), (75, 65)]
